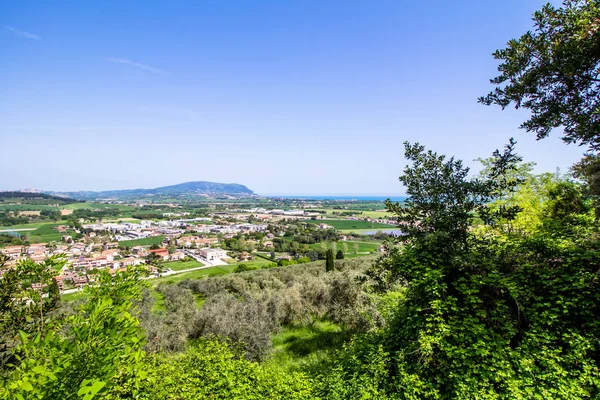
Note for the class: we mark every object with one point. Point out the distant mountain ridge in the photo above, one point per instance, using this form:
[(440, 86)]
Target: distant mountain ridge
[(187, 189)]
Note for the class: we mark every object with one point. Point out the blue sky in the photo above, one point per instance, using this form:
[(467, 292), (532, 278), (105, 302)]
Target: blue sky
[(286, 97)]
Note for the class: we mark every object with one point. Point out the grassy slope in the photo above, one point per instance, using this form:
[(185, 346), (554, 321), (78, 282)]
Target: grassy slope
[(297, 347)]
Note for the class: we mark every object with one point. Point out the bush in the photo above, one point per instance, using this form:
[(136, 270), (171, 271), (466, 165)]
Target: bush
[(210, 369)]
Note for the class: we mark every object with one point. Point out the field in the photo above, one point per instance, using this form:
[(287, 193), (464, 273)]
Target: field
[(24, 226), (27, 207), (42, 232), (78, 206), (181, 265), (346, 224), (363, 247), (46, 233), (142, 242), (360, 213)]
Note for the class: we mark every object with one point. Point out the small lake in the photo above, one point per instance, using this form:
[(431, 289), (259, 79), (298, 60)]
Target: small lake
[(397, 232), (12, 233)]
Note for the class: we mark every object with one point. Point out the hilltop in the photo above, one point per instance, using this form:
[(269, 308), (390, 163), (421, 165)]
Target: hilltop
[(182, 190)]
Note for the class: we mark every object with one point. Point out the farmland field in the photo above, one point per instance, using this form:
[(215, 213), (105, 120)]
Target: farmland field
[(142, 242), (360, 213), (77, 206), (42, 232), (363, 247), (346, 224), (47, 233), (24, 226), (27, 207)]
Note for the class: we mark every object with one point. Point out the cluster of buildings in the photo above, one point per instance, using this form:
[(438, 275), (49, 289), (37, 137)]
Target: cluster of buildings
[(82, 258), (183, 238)]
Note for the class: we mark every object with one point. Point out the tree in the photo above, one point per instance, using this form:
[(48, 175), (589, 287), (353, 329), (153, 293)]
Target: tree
[(476, 298), (329, 263), (443, 201), (339, 255), (85, 351), (553, 71), (588, 171), (355, 247)]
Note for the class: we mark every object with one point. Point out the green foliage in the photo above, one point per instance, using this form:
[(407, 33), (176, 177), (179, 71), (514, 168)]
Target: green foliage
[(588, 171), (248, 308), (210, 369), (506, 314), (79, 355), (245, 267), (28, 299), (339, 255), (552, 71)]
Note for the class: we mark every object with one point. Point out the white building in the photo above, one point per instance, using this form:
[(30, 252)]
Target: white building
[(212, 254)]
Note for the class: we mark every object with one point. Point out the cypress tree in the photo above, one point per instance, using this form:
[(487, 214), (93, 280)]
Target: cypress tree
[(329, 263), (339, 255)]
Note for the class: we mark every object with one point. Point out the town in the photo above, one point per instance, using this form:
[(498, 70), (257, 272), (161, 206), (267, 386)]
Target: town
[(175, 241)]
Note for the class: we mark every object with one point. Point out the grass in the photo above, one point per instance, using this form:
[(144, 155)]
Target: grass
[(142, 242), (360, 213), (346, 224), (117, 220), (181, 265), (159, 301), (72, 296), (25, 226), (27, 207), (43, 231), (47, 233), (363, 247), (295, 348), (200, 273), (366, 231)]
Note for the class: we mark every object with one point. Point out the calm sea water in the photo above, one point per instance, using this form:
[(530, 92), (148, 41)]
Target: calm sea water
[(344, 198)]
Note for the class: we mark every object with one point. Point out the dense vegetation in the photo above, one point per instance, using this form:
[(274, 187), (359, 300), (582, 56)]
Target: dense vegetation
[(34, 198)]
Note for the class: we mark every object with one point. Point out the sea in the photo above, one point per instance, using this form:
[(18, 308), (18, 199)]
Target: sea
[(342, 197)]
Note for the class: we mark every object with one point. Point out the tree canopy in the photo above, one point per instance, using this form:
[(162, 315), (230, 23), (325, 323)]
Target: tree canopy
[(554, 72)]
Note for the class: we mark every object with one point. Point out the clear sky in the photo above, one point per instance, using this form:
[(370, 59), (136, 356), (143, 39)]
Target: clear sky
[(286, 97)]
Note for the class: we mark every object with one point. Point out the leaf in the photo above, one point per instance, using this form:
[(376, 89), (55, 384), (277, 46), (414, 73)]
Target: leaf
[(25, 385)]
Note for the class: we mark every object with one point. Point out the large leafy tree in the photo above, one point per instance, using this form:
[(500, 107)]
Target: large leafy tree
[(485, 313), (554, 72)]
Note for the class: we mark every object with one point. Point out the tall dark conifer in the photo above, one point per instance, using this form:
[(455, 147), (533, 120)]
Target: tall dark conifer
[(329, 263)]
